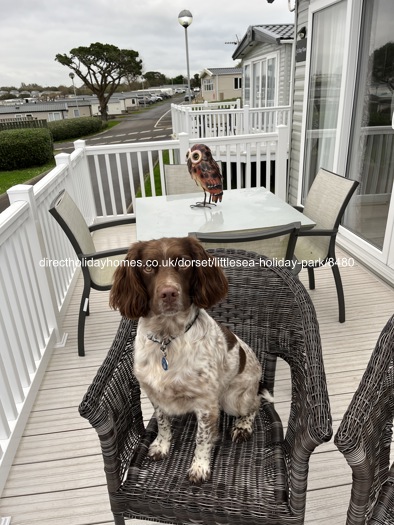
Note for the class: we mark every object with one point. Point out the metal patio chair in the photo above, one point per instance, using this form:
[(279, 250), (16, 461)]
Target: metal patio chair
[(97, 276), (263, 480), (325, 204), (178, 180), (277, 244), (365, 435)]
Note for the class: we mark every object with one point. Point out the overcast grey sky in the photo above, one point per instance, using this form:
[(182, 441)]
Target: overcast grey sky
[(33, 32)]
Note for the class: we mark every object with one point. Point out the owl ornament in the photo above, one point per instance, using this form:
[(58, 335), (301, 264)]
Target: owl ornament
[(205, 171)]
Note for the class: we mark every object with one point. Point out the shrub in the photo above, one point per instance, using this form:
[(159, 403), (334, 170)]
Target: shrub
[(74, 128), (25, 148)]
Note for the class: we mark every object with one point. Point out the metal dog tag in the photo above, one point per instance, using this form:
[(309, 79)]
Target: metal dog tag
[(164, 363)]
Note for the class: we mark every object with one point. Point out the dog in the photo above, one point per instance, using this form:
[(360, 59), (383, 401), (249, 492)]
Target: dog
[(184, 360)]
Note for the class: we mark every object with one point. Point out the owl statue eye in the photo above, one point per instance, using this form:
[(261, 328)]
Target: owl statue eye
[(196, 156)]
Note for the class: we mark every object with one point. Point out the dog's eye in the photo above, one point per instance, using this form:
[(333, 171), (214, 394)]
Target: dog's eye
[(147, 269)]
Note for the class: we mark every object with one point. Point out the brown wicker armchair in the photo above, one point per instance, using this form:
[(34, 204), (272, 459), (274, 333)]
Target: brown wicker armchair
[(261, 481), (364, 438)]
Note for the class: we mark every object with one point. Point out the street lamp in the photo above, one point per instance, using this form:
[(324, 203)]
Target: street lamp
[(72, 75), (185, 18)]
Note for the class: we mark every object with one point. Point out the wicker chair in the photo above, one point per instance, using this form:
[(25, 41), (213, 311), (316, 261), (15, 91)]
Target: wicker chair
[(364, 438), (263, 480), (325, 204), (97, 276)]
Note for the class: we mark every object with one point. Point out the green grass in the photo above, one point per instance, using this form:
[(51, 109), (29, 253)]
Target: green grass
[(10, 178), (156, 176)]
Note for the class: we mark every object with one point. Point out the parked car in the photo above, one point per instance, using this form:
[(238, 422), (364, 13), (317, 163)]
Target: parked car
[(180, 90), (191, 96), (155, 98), (144, 101)]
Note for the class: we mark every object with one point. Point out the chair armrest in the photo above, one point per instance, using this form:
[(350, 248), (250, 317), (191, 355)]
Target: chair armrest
[(109, 224), (112, 405), (365, 433), (310, 422), (102, 255), (318, 233)]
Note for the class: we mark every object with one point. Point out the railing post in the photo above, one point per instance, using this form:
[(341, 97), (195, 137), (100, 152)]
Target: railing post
[(86, 192), (281, 163), (184, 146), (25, 192), (246, 124)]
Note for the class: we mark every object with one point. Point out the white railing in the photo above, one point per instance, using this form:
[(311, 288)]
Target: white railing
[(38, 270), (200, 121), (39, 266)]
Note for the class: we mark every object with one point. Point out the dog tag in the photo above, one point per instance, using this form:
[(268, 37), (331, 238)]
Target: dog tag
[(164, 363)]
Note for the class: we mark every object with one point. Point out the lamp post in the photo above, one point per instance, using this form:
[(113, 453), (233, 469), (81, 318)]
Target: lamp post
[(185, 18), (72, 75)]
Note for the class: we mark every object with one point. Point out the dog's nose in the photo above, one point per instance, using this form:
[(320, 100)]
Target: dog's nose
[(169, 294)]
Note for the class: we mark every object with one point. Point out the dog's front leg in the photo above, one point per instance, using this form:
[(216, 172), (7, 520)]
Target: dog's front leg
[(161, 445), (200, 469)]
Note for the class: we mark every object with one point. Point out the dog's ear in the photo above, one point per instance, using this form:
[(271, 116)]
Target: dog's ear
[(128, 293), (209, 284)]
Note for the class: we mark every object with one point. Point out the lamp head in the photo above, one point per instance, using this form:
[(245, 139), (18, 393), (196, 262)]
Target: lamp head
[(185, 18)]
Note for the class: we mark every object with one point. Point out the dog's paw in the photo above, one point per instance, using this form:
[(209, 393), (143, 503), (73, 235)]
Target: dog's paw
[(243, 428), (159, 449), (239, 435), (199, 472)]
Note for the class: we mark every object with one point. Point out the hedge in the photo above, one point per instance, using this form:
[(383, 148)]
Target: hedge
[(74, 128), (25, 148)]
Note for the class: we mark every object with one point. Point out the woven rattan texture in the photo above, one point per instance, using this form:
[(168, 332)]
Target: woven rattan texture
[(365, 435), (261, 481)]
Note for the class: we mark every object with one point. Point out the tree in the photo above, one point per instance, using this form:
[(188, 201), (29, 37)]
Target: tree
[(154, 78), (102, 67)]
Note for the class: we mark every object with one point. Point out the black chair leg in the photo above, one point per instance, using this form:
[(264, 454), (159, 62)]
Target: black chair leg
[(311, 277), (119, 520), (341, 297), (83, 312)]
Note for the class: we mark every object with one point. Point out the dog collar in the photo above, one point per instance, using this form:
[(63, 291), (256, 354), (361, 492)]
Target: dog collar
[(165, 342)]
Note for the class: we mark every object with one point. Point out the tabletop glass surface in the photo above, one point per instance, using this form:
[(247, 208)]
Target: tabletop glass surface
[(243, 209)]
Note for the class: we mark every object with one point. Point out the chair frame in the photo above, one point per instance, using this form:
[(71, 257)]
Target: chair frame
[(88, 283), (331, 257), (364, 437), (112, 403), (291, 229)]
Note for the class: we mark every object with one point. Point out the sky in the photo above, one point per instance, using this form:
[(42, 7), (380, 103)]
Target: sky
[(33, 32)]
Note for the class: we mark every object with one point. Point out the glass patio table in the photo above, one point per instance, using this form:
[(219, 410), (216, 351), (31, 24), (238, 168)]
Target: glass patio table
[(240, 209)]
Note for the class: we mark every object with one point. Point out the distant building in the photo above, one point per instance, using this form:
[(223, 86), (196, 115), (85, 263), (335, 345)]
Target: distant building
[(266, 54), (221, 83)]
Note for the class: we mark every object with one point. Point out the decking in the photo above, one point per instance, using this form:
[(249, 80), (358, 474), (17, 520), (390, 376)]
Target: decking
[(57, 476)]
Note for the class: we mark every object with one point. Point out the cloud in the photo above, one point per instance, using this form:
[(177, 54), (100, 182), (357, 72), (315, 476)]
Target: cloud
[(34, 32)]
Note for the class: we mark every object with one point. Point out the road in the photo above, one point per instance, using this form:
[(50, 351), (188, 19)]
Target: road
[(153, 123)]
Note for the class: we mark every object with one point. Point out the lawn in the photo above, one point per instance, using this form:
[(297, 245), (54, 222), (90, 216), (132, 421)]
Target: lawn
[(10, 178)]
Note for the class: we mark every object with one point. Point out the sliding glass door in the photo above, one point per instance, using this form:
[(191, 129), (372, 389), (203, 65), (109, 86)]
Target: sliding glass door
[(325, 78), (371, 153)]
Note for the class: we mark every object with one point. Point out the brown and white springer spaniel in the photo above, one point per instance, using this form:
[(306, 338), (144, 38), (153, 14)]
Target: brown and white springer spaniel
[(184, 360)]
